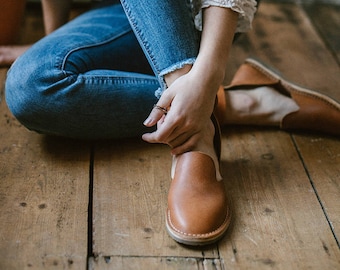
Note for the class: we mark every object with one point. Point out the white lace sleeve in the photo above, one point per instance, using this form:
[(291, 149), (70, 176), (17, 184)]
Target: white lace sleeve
[(245, 8)]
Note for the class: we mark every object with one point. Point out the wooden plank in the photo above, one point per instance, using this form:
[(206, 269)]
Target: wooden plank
[(131, 181), (322, 156), (278, 220), (314, 66), (284, 37), (155, 263), (326, 18), (322, 75), (44, 198), (322, 153)]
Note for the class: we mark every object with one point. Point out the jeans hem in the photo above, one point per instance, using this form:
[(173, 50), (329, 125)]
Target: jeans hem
[(168, 70)]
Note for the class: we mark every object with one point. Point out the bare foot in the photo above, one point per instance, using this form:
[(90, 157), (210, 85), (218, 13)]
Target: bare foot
[(8, 54), (259, 106)]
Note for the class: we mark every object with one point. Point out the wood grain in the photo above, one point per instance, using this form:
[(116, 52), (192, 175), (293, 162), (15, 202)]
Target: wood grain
[(43, 198), (283, 187), (131, 181)]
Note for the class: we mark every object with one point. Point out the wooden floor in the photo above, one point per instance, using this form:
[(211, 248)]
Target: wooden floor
[(66, 204)]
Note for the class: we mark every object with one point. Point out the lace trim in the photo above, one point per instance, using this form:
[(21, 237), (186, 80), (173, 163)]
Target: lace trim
[(245, 8)]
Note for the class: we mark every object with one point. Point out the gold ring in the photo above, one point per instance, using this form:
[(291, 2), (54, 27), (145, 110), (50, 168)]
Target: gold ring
[(164, 110)]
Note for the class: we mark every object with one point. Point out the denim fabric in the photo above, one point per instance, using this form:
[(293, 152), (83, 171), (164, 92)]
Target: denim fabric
[(90, 78), (166, 32)]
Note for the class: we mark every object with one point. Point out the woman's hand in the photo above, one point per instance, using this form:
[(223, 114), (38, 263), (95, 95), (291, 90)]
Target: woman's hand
[(190, 104), (191, 96)]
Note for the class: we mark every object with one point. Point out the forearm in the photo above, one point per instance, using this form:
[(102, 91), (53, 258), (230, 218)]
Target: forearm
[(191, 92), (56, 13), (219, 26)]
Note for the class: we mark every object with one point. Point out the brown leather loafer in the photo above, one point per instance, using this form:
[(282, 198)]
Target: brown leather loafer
[(198, 212), (317, 112)]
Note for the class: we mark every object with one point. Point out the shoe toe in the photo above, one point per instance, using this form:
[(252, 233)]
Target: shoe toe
[(198, 212), (316, 112)]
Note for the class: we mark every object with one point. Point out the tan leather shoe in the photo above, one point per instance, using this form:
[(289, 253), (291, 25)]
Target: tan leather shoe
[(198, 212), (317, 112)]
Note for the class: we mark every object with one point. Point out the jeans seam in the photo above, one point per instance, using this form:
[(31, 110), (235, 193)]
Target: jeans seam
[(140, 37), (118, 80), (104, 41)]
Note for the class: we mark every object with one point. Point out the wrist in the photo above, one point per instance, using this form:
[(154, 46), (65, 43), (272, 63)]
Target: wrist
[(209, 71), (172, 76)]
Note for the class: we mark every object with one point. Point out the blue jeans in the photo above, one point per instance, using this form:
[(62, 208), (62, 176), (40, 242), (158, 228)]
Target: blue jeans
[(96, 76)]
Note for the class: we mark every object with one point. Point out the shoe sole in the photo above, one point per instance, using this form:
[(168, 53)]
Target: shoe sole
[(197, 239)]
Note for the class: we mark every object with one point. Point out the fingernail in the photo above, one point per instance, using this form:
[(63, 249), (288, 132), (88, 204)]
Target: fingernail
[(147, 121)]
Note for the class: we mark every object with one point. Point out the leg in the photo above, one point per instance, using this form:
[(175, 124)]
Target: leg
[(195, 194), (88, 79), (170, 43), (9, 53)]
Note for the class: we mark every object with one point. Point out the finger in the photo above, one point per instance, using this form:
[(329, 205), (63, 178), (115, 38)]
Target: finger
[(161, 121), (187, 146), (155, 115), (166, 131), (179, 139), (159, 136), (159, 110)]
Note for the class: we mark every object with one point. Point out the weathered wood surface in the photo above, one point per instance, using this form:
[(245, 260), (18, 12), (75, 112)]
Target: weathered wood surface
[(131, 180), (297, 232), (44, 198), (327, 21), (156, 263), (284, 187), (278, 221)]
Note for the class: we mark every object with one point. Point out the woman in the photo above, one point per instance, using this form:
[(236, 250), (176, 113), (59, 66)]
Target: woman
[(100, 75)]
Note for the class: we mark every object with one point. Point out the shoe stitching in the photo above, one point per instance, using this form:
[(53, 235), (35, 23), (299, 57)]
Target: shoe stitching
[(286, 84), (227, 218), (316, 97), (262, 70)]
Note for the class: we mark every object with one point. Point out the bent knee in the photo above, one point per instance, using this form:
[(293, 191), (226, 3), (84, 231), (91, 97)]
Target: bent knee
[(27, 93), (20, 99)]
